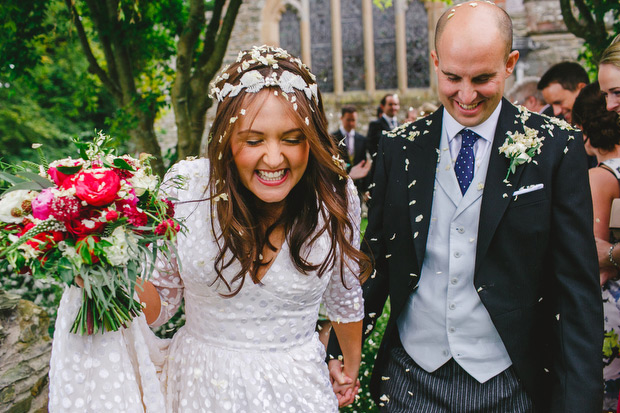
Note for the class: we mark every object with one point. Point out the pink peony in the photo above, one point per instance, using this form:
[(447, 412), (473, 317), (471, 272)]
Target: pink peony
[(41, 205)]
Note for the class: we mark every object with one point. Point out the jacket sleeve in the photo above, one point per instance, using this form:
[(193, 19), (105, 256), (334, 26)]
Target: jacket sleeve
[(577, 327)]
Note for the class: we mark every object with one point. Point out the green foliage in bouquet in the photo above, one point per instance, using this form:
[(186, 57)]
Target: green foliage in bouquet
[(98, 221)]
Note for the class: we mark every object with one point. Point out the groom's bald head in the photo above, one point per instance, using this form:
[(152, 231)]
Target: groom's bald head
[(484, 17)]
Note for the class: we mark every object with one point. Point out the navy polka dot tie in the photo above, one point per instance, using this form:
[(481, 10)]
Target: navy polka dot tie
[(464, 166)]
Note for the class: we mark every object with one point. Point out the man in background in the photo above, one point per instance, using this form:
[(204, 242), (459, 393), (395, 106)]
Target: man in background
[(352, 147), (560, 86), (390, 105)]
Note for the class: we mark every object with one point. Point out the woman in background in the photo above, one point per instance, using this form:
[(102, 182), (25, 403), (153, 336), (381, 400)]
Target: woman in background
[(601, 134)]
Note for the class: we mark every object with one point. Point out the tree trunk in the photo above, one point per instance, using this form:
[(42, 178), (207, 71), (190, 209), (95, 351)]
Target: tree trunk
[(190, 123), (145, 140)]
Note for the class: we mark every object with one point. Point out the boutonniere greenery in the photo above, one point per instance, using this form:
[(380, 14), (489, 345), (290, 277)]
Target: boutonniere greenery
[(521, 148)]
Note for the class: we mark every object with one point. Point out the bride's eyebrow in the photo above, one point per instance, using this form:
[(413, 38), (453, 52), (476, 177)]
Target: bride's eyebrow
[(256, 132)]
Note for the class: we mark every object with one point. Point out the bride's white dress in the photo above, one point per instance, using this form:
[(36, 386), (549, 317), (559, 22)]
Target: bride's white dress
[(255, 352)]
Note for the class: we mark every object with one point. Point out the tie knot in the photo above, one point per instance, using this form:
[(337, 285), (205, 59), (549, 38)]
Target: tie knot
[(469, 138)]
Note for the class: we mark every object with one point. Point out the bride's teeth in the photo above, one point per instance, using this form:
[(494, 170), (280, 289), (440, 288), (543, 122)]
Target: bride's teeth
[(271, 176)]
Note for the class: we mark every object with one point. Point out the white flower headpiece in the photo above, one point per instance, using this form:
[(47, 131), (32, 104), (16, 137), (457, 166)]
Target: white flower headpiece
[(253, 82)]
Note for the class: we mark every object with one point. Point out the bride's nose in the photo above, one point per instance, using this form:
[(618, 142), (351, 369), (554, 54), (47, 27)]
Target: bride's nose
[(273, 155)]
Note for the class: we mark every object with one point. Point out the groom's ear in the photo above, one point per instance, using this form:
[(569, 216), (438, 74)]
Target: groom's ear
[(513, 57), (435, 60)]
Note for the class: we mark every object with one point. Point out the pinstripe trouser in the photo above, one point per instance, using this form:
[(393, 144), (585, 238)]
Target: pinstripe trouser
[(406, 387)]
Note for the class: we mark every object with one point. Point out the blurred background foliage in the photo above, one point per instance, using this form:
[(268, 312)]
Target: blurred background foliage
[(47, 94)]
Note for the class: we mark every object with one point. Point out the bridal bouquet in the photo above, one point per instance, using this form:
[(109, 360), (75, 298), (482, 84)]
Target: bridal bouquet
[(97, 221)]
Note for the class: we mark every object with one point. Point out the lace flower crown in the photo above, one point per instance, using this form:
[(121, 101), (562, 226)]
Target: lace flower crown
[(253, 81)]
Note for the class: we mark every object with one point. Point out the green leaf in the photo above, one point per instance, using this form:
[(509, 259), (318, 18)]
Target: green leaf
[(28, 186), (66, 270), (43, 182), (69, 170), (11, 178), (120, 163)]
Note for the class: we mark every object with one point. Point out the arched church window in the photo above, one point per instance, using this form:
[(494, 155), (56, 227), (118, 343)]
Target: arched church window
[(352, 44), (416, 28), (321, 44), (290, 31), (385, 48)]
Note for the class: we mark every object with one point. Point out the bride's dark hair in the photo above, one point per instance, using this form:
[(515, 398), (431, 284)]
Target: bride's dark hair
[(318, 204)]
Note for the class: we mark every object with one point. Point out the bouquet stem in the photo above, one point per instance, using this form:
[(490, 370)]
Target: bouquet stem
[(96, 316)]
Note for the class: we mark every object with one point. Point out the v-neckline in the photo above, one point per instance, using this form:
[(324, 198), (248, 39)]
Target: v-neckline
[(272, 263)]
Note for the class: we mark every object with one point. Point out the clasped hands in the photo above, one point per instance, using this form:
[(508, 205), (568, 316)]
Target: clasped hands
[(345, 384)]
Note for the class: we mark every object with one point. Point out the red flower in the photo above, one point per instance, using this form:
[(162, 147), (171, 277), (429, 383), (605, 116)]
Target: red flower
[(131, 212), (65, 208), (111, 215), (123, 173), (86, 223), (97, 186), (170, 207), (169, 228), (57, 176), (43, 241)]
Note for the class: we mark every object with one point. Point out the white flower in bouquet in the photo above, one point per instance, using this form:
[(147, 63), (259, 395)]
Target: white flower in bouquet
[(142, 182), (123, 243), (15, 205), (70, 253)]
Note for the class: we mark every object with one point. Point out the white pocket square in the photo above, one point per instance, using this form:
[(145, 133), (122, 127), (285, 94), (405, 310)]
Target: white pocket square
[(529, 188)]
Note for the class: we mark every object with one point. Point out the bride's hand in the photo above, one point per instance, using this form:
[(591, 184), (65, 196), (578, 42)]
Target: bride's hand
[(345, 387)]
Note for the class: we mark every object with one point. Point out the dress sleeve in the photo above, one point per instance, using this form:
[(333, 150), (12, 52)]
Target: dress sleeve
[(344, 303), (166, 277)]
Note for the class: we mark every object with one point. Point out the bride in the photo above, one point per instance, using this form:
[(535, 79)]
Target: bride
[(273, 230)]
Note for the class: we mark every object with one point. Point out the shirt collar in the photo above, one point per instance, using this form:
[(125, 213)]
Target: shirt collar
[(486, 129), (344, 132), (390, 120)]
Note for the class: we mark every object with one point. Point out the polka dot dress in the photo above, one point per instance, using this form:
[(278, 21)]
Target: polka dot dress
[(256, 352), (464, 166)]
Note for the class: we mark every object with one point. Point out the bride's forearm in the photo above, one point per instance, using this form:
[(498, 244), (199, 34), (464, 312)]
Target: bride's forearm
[(350, 339)]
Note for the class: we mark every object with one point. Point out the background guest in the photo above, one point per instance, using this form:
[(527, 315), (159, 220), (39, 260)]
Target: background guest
[(560, 85), (601, 134), (609, 75), (390, 105)]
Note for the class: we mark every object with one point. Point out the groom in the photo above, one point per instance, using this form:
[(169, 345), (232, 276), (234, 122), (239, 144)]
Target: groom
[(491, 270)]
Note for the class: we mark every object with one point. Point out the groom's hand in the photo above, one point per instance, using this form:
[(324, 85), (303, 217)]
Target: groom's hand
[(344, 386)]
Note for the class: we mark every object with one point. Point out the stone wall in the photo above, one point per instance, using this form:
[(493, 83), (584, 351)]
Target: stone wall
[(25, 349)]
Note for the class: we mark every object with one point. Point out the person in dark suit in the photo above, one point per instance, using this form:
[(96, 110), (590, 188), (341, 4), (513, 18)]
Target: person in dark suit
[(352, 147), (480, 229), (390, 105)]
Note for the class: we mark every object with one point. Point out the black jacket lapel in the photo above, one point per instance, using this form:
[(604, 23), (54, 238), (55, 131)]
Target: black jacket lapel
[(422, 156), (497, 193)]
